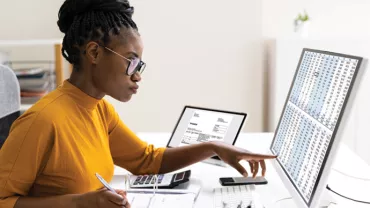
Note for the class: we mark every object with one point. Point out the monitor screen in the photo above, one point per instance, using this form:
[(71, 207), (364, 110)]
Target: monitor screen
[(198, 125), (311, 116)]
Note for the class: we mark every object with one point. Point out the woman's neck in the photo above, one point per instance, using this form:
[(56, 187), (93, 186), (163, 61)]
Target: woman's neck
[(85, 84)]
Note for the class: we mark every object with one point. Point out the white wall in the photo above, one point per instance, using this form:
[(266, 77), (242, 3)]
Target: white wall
[(205, 53), (36, 19), (330, 18), (29, 20)]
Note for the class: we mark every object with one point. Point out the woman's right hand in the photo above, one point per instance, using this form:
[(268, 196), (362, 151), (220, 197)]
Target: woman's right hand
[(103, 199)]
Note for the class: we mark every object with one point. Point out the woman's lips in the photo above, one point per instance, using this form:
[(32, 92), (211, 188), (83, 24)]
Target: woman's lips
[(134, 89)]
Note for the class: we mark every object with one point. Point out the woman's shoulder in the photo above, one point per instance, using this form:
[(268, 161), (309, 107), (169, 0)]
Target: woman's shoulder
[(48, 107), (108, 111), (106, 108), (107, 105)]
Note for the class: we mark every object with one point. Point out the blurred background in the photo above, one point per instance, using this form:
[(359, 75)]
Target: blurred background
[(237, 55)]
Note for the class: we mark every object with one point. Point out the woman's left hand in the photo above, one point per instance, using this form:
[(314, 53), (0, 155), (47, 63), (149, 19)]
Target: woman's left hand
[(233, 155)]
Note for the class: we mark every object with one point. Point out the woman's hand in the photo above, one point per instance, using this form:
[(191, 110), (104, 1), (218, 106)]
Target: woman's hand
[(233, 155), (103, 199)]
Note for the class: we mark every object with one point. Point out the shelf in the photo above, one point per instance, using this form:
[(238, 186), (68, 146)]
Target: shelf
[(56, 43), (25, 107)]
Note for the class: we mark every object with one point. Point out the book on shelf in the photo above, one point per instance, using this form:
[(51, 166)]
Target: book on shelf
[(41, 74), (34, 82), (28, 71), (33, 94)]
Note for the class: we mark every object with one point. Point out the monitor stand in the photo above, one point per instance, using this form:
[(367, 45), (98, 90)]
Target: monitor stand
[(327, 200)]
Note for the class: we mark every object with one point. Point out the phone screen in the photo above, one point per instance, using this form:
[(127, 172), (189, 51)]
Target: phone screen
[(242, 181), (249, 179)]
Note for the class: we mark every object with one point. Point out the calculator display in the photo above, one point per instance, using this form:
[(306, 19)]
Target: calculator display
[(179, 176)]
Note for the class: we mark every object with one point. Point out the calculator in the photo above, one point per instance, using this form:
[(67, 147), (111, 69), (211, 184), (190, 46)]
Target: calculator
[(164, 180)]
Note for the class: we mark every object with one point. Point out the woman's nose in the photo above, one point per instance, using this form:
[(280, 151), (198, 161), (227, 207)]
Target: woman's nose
[(136, 77)]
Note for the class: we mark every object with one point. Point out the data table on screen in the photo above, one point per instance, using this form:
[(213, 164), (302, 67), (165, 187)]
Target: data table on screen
[(310, 116)]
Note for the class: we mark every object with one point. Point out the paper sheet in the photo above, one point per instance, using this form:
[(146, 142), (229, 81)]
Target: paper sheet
[(142, 200)]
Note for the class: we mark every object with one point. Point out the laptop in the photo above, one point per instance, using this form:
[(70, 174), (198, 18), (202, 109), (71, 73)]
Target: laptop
[(197, 125)]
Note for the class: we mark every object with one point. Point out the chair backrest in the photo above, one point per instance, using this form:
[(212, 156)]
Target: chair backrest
[(10, 101)]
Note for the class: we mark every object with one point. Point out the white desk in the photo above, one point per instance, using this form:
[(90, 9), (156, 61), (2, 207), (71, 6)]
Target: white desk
[(208, 175)]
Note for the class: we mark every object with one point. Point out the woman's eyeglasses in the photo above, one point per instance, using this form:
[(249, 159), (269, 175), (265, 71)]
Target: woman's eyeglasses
[(135, 64)]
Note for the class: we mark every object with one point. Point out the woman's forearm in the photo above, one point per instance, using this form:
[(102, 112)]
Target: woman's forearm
[(62, 201), (180, 157)]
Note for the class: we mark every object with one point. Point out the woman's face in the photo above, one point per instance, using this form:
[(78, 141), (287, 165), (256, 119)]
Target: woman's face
[(109, 74)]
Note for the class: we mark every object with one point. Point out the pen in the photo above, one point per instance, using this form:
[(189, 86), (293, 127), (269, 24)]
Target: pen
[(101, 179)]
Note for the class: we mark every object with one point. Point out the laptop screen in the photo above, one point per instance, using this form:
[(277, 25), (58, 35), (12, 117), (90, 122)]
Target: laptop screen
[(197, 125)]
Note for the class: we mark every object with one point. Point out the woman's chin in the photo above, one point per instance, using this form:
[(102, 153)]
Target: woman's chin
[(122, 97), (125, 98)]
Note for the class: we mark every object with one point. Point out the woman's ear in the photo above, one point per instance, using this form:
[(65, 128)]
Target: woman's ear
[(93, 52)]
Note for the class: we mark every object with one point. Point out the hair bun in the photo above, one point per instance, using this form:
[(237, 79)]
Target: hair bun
[(72, 8)]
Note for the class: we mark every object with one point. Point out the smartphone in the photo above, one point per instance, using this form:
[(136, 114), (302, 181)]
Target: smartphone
[(237, 181)]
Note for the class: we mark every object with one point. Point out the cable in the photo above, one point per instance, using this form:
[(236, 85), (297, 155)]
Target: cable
[(155, 185), (127, 180), (327, 187), (345, 174), (280, 200)]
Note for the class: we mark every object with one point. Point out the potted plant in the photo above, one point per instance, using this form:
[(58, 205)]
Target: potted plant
[(301, 23)]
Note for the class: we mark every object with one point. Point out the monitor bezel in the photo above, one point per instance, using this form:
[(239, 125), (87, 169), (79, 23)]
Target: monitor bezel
[(214, 110), (324, 172)]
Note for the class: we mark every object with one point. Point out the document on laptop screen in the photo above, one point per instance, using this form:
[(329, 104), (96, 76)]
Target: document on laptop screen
[(197, 125), (206, 126)]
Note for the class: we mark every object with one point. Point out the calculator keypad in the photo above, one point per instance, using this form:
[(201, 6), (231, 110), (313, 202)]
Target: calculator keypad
[(147, 179)]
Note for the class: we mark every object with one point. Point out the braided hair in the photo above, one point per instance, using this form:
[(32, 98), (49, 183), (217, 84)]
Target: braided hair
[(91, 20)]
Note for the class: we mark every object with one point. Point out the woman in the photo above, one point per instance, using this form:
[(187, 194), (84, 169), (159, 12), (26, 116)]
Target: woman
[(56, 147)]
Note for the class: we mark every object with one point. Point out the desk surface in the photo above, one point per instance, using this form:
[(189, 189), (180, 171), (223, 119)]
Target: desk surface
[(207, 175)]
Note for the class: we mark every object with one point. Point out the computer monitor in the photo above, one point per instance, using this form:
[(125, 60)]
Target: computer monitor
[(312, 121)]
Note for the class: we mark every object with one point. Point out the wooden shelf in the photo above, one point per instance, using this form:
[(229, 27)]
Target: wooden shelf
[(58, 57)]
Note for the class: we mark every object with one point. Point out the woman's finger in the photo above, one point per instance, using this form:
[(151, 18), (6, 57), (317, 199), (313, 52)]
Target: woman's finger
[(251, 166), (240, 169), (263, 166), (121, 192), (256, 167), (257, 157)]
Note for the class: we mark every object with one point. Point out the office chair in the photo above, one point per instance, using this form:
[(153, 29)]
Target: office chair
[(10, 101)]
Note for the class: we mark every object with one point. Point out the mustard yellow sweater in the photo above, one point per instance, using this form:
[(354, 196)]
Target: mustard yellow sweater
[(58, 145)]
